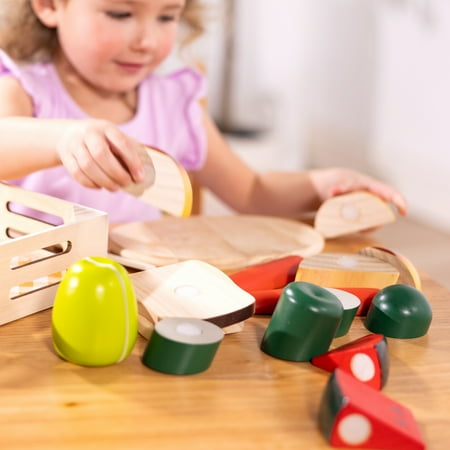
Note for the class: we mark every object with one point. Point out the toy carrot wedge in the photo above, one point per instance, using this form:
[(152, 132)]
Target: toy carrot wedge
[(269, 275), (266, 300)]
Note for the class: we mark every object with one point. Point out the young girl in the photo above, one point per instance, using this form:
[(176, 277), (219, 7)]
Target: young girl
[(79, 93)]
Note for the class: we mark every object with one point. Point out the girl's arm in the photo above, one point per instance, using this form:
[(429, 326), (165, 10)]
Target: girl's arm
[(95, 152), (25, 146), (278, 193)]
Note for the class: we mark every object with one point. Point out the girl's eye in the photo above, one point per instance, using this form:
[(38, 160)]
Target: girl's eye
[(118, 14), (167, 18)]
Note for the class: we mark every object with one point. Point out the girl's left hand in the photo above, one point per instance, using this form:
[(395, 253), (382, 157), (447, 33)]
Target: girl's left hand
[(334, 181)]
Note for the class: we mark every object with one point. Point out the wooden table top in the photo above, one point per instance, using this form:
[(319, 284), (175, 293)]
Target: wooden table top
[(246, 399)]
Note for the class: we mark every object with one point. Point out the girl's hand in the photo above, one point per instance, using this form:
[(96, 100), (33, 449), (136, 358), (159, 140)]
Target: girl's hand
[(334, 181), (98, 155)]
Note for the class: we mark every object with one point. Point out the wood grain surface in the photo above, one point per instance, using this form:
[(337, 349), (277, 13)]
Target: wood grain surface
[(227, 242), (169, 188), (352, 212), (245, 400)]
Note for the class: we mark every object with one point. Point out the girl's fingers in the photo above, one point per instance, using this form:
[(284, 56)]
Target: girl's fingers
[(97, 154), (72, 166), (95, 169), (101, 163), (384, 191), (399, 201), (127, 151), (388, 194)]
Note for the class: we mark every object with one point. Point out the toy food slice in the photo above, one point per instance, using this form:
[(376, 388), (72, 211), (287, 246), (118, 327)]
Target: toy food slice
[(338, 270), (353, 414), (167, 185), (365, 358), (189, 289), (408, 274), (349, 213)]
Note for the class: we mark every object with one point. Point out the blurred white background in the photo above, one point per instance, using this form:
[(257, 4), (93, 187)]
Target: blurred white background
[(356, 83), (362, 84)]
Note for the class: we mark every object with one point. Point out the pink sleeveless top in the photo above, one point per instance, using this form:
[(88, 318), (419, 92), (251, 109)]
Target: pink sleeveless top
[(169, 117)]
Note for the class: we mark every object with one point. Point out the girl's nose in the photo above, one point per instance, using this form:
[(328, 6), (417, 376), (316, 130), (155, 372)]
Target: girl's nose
[(146, 38)]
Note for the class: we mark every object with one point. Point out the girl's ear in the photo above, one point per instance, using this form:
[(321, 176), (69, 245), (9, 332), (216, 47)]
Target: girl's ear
[(46, 11)]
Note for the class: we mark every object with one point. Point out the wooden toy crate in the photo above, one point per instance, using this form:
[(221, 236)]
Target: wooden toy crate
[(35, 254)]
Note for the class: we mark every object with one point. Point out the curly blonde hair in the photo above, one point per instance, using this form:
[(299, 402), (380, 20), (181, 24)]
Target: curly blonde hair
[(40, 42)]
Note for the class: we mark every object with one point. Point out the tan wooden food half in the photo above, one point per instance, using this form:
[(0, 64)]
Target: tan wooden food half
[(228, 242), (167, 186), (349, 213), (338, 270), (408, 273)]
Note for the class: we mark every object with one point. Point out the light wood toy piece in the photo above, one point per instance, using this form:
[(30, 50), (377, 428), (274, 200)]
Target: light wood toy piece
[(365, 358), (341, 270), (230, 243), (408, 274), (353, 414), (349, 213), (34, 255), (190, 289), (171, 190)]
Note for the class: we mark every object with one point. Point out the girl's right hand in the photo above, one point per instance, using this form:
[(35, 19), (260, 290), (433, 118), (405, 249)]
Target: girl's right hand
[(98, 155)]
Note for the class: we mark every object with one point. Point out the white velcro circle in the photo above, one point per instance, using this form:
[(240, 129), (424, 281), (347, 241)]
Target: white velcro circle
[(362, 367), (354, 429)]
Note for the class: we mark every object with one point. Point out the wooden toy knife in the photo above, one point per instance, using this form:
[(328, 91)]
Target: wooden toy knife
[(166, 186)]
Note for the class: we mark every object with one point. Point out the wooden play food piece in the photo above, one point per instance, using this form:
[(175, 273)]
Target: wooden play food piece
[(167, 186), (190, 289), (399, 311), (272, 274), (303, 324), (266, 300), (350, 304), (94, 317), (408, 274), (352, 212), (365, 358), (266, 281), (339, 270), (138, 189), (353, 414), (182, 346), (229, 243)]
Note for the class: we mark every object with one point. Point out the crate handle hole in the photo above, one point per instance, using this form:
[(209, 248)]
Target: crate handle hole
[(37, 256), (38, 284), (32, 213)]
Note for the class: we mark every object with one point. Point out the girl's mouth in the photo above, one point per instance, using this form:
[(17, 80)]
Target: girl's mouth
[(130, 67)]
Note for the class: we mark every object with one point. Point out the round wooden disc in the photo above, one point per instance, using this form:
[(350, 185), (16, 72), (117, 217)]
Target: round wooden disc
[(227, 242)]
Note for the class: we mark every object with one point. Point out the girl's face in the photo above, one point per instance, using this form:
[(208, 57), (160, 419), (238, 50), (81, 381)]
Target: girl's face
[(114, 44)]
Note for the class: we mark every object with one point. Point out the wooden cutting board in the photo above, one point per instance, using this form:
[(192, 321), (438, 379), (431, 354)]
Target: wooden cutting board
[(228, 242)]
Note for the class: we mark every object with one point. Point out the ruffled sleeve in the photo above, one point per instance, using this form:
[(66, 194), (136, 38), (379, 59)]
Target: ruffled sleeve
[(9, 68), (36, 79)]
